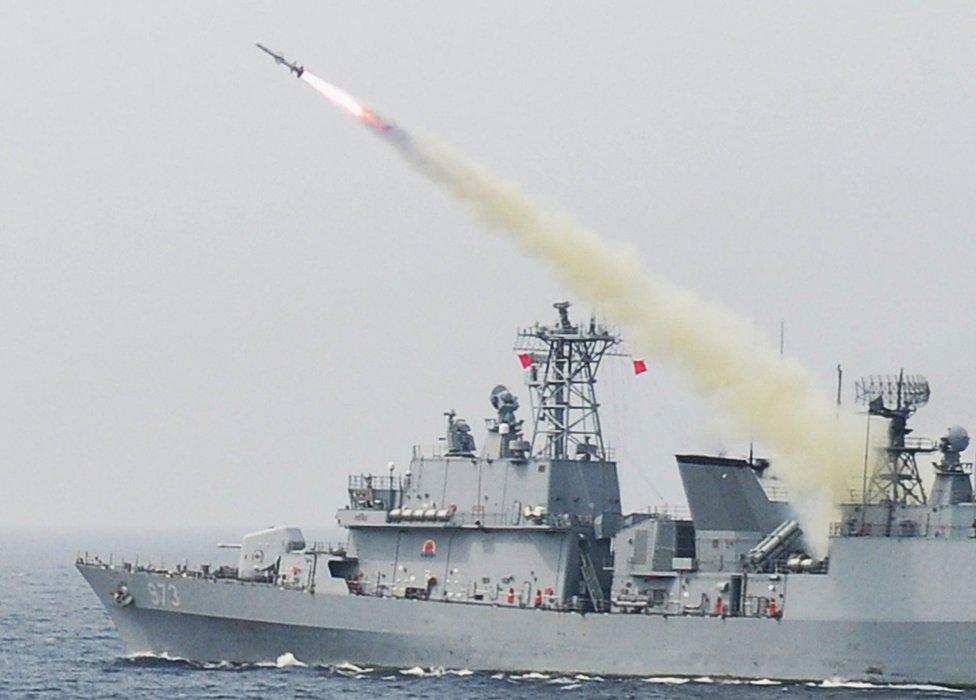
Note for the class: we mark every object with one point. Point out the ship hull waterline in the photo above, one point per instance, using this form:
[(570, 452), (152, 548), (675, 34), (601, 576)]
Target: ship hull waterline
[(201, 623)]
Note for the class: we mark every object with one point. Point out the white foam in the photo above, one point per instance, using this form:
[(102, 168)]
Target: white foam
[(668, 680), (531, 676), (163, 656), (764, 681), (866, 685), (462, 672), (288, 660), (498, 677), (572, 686), (584, 677), (420, 672), (841, 683), (347, 667), (703, 679), (924, 688)]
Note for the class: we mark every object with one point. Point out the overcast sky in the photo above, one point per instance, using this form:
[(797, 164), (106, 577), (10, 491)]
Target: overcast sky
[(218, 296)]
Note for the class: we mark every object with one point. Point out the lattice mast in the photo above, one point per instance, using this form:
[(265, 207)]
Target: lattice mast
[(895, 477), (564, 359)]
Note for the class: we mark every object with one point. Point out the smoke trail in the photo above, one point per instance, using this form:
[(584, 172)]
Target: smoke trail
[(765, 396)]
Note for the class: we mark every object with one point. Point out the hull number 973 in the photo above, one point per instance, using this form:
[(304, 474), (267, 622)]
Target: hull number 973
[(163, 595)]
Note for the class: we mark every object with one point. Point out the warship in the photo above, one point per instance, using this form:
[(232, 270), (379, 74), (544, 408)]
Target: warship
[(518, 557)]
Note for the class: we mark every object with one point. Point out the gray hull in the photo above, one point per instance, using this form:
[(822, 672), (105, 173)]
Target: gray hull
[(232, 621)]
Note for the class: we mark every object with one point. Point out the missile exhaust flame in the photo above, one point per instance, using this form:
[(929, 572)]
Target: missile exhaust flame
[(772, 399), (336, 95)]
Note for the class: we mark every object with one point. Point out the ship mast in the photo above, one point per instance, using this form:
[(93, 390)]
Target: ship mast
[(896, 478), (562, 385)]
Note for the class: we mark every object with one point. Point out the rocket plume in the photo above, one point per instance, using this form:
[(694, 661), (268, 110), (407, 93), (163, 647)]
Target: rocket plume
[(764, 396)]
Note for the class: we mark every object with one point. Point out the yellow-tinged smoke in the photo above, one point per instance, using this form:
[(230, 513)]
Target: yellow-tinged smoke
[(771, 398)]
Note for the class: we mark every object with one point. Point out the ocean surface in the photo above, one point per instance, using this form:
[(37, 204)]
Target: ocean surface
[(56, 641)]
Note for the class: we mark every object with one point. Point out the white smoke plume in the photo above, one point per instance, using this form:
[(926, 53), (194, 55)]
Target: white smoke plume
[(771, 398)]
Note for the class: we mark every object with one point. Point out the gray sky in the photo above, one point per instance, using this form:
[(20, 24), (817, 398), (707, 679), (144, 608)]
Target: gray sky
[(218, 296)]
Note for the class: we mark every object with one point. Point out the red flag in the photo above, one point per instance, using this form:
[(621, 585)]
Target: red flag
[(640, 366), (526, 360)]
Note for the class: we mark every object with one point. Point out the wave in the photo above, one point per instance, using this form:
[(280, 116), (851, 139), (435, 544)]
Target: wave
[(288, 660), (349, 668), (153, 658), (531, 676), (866, 685), (418, 672)]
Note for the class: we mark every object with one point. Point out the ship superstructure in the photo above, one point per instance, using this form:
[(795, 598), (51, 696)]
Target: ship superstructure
[(517, 556)]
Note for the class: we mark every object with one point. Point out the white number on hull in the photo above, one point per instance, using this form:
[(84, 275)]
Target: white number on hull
[(163, 594)]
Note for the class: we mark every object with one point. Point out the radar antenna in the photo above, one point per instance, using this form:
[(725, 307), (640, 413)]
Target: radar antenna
[(561, 377), (895, 478)]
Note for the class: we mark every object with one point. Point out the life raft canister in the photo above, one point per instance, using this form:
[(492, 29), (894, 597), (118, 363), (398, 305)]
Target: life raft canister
[(538, 598), (511, 596), (719, 606), (772, 610)]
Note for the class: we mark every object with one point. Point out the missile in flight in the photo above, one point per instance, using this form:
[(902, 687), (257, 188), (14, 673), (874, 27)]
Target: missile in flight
[(293, 67), (339, 97)]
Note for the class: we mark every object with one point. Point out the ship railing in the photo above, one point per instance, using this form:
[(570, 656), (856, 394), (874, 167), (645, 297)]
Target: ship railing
[(511, 519), (428, 451), (320, 547), (960, 468), (915, 444), (372, 491), (374, 482), (901, 529), (670, 511)]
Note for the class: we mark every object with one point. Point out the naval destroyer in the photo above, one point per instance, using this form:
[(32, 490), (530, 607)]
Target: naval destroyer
[(517, 556)]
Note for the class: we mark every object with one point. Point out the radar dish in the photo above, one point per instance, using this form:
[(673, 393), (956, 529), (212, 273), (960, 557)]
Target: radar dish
[(497, 395), (893, 392)]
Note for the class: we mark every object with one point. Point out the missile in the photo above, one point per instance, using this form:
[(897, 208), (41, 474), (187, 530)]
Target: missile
[(293, 67), (337, 96)]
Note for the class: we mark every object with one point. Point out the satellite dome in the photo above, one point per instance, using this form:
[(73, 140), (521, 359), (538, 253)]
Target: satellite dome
[(957, 438)]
